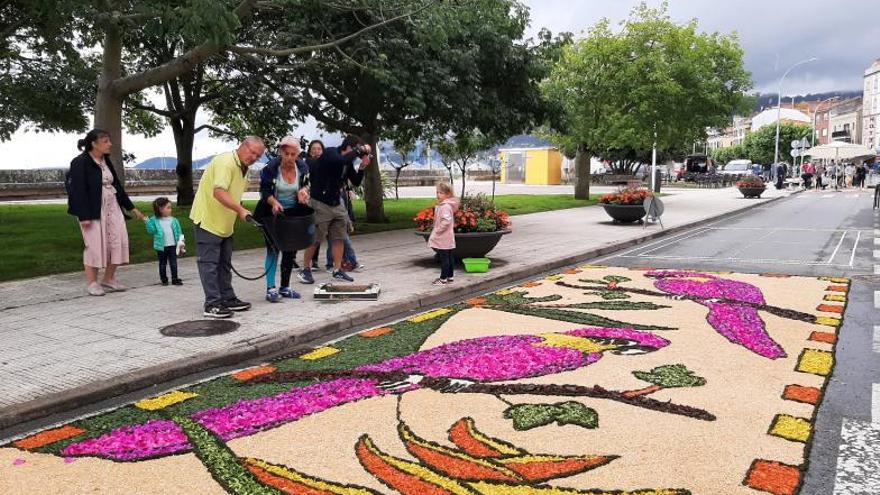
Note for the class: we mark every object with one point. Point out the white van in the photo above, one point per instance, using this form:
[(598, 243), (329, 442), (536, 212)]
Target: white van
[(737, 167)]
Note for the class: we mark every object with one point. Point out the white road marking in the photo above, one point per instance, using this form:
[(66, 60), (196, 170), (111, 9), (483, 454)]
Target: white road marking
[(833, 254), (877, 253), (737, 260), (875, 404), (852, 258), (876, 269), (677, 240), (877, 299), (877, 241), (875, 344), (858, 460)]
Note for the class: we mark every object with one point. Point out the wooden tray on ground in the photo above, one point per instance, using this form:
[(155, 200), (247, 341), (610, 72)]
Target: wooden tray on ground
[(347, 291)]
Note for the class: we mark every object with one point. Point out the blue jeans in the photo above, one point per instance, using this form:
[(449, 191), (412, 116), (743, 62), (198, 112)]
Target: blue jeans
[(446, 262), (348, 253)]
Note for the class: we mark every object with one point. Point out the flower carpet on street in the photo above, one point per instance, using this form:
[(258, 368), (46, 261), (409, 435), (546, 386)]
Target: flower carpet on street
[(595, 380)]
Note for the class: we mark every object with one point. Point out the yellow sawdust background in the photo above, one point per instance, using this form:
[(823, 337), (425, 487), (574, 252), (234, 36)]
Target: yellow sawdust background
[(658, 450)]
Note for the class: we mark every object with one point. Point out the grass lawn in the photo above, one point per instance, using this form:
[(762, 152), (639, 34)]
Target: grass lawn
[(43, 239)]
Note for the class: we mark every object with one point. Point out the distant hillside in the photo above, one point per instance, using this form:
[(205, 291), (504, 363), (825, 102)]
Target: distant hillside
[(169, 163), (768, 100)]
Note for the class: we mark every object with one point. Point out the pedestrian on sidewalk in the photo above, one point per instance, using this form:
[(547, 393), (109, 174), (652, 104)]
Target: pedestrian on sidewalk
[(349, 256), (283, 191), (442, 238), (327, 176), (861, 174), (96, 197), (820, 176), (167, 237), (849, 172), (217, 203), (807, 176)]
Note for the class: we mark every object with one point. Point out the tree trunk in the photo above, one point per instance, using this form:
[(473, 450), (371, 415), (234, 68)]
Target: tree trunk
[(108, 103), (396, 181), (582, 174), (373, 194), (463, 177), (184, 135)]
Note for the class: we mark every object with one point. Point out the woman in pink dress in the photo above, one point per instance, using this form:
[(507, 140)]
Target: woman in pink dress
[(96, 197)]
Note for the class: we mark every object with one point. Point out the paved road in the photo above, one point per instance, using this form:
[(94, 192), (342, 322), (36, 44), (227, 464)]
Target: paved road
[(814, 233)]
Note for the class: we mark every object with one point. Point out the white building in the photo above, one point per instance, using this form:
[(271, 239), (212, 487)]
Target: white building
[(871, 107), (768, 117)]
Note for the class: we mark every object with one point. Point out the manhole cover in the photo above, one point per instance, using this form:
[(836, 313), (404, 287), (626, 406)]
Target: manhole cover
[(199, 328)]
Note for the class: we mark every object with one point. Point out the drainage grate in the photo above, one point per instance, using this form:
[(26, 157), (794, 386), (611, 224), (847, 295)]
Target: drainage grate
[(199, 328)]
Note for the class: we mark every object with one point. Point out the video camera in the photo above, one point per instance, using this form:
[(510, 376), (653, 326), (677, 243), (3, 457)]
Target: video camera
[(303, 147), (361, 151)]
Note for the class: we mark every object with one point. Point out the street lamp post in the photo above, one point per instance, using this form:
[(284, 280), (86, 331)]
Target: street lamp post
[(779, 104)]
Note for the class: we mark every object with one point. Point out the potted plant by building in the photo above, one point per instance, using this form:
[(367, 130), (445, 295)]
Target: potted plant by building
[(478, 226), (626, 205), (751, 186)]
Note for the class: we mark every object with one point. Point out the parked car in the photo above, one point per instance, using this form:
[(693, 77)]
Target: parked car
[(737, 167)]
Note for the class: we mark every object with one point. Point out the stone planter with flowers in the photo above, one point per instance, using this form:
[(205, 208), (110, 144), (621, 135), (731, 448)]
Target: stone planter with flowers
[(625, 205), (478, 226), (751, 186)]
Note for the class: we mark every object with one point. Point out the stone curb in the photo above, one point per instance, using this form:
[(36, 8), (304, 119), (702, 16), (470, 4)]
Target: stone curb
[(290, 342)]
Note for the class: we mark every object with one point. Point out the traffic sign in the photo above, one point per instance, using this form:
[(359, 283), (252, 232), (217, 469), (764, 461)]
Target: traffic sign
[(805, 144), (796, 144)]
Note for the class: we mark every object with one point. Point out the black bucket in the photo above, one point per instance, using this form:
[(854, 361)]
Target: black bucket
[(293, 230)]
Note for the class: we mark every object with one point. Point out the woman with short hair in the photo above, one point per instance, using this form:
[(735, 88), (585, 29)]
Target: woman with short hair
[(96, 197)]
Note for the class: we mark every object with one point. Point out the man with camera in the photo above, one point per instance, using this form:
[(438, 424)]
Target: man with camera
[(327, 176)]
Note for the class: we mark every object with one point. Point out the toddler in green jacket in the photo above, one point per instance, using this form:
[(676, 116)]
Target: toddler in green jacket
[(167, 239)]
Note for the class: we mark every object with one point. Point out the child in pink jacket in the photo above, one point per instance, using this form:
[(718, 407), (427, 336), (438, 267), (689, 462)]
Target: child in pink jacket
[(442, 238)]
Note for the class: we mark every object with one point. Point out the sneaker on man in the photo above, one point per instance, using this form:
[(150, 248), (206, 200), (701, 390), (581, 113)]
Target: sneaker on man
[(164, 283), (288, 292), (305, 276), (272, 295), (341, 275), (217, 311), (328, 268), (358, 268), (450, 280), (439, 281), (237, 305), (176, 281)]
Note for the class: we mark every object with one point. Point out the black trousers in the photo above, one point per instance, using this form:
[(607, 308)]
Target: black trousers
[(287, 262), (447, 262), (167, 257)]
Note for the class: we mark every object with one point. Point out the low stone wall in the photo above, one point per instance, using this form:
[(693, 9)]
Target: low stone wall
[(49, 183)]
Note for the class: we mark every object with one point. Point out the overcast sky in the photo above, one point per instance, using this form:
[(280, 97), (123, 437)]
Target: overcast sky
[(844, 35)]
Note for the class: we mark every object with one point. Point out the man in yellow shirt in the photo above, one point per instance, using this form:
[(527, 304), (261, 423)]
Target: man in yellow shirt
[(216, 206)]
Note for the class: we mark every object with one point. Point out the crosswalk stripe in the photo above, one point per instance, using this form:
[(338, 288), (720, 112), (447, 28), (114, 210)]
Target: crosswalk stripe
[(877, 299), (875, 345), (858, 461), (877, 253), (876, 269), (875, 404)]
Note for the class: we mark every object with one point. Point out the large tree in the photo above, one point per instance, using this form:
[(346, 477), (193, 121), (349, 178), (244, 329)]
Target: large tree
[(650, 81), (458, 65), (759, 146), (208, 28), (42, 73)]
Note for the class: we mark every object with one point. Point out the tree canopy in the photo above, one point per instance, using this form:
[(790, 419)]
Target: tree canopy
[(759, 146), (651, 80)]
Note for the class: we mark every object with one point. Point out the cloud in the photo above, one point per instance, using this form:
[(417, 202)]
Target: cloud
[(775, 34)]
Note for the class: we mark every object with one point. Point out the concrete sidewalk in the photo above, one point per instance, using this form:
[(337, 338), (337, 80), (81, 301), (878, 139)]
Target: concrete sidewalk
[(60, 348)]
